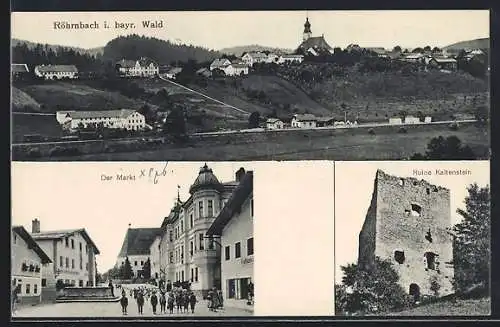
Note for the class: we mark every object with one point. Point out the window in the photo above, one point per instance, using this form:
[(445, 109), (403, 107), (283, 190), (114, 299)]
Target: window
[(182, 226), (142, 263), (250, 246), (211, 243), (227, 252), (72, 263), (66, 240), (416, 210), (200, 209), (192, 275), (80, 283), (191, 248), (428, 191), (182, 254), (61, 261), (44, 282), (80, 246), (87, 266), (251, 207), (171, 236), (210, 208), (28, 289), (237, 250), (191, 221), (35, 289), (182, 276), (430, 259), (196, 274), (86, 248), (135, 263), (15, 239), (67, 262), (72, 243), (81, 264), (171, 257), (399, 256), (202, 246)]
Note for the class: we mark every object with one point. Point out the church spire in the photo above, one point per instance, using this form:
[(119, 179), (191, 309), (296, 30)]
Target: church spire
[(307, 29)]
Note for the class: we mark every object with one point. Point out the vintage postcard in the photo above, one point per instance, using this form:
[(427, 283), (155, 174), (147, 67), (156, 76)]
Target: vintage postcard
[(412, 238), (250, 85), (164, 240)]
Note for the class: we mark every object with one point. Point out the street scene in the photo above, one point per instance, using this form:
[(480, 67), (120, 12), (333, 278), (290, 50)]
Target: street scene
[(196, 258), (307, 93)]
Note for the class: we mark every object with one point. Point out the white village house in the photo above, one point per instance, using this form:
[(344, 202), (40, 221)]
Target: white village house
[(56, 71), (124, 118), (304, 121), (395, 121), (144, 67), (236, 70), (290, 58), (220, 64), (274, 123), (412, 120), (251, 58)]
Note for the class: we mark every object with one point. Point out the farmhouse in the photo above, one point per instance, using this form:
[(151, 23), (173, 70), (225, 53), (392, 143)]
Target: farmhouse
[(304, 121), (236, 70), (412, 120), (395, 121), (290, 58), (251, 58), (220, 64), (144, 67), (448, 64), (428, 119), (72, 253), (124, 118), (57, 71), (18, 71), (28, 260), (274, 123), (234, 226)]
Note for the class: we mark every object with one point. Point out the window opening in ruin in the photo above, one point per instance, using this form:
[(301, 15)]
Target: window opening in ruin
[(399, 256), (428, 236), (407, 212), (430, 258), (402, 182), (416, 210), (414, 291), (428, 190)]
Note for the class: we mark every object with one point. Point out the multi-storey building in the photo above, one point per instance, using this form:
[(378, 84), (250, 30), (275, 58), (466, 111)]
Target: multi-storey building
[(72, 253), (124, 118), (57, 71), (28, 262), (234, 227), (407, 223), (144, 67)]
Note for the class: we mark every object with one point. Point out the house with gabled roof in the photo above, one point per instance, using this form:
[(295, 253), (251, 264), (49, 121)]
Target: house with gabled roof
[(56, 72), (28, 261), (220, 64), (304, 121), (124, 118), (143, 67), (19, 71), (73, 255)]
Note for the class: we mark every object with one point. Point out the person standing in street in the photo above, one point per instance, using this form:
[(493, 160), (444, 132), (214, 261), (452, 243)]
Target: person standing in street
[(154, 302), (171, 301), (110, 285), (15, 297), (163, 302), (140, 302), (124, 303), (192, 301)]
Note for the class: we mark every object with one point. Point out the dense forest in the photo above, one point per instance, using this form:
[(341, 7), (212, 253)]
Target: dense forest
[(164, 52)]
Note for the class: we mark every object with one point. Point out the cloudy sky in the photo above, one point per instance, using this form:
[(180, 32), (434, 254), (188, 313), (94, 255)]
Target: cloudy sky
[(217, 30), (354, 188)]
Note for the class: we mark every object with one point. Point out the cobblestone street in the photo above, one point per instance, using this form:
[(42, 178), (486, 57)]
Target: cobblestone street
[(113, 309)]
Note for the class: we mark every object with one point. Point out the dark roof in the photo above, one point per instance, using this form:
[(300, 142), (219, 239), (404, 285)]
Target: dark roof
[(205, 179), (318, 43), (233, 205), (121, 113), (32, 244), (305, 117), (58, 234), (138, 240), (57, 68)]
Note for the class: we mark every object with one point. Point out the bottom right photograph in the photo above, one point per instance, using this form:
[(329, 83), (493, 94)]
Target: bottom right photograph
[(412, 238)]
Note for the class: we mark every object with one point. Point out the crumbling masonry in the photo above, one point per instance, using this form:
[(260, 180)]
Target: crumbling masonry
[(407, 222)]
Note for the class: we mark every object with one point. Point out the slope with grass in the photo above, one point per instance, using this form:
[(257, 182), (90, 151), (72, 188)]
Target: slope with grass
[(469, 307), (23, 102)]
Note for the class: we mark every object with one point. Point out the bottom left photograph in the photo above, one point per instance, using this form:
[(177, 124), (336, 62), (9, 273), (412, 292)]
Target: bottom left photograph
[(148, 239)]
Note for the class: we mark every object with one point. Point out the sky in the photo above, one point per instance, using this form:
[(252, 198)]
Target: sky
[(354, 188), (283, 29), (72, 195)]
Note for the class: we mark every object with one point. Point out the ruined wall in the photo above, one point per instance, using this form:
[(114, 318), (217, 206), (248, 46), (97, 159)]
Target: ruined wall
[(366, 254), (412, 217)]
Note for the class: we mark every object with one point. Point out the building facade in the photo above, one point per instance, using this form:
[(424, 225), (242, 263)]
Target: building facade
[(56, 71), (28, 260), (220, 64), (124, 118), (144, 67), (412, 120), (234, 227), (304, 121), (251, 58), (274, 123), (236, 70), (407, 223), (290, 59)]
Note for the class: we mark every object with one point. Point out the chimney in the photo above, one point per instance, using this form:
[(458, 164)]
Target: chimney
[(35, 226), (239, 174)]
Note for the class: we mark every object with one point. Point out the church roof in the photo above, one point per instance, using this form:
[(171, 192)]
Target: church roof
[(138, 240), (318, 43), (205, 179)]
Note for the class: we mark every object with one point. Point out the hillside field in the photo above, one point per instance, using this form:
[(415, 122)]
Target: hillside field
[(470, 307)]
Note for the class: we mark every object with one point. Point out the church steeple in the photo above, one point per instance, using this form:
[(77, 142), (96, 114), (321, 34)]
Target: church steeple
[(307, 29)]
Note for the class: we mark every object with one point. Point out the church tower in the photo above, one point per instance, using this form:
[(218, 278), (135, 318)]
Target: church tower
[(307, 30)]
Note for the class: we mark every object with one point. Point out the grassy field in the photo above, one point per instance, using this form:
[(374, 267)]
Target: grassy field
[(77, 96), (26, 125), (387, 144), (471, 307), (21, 101)]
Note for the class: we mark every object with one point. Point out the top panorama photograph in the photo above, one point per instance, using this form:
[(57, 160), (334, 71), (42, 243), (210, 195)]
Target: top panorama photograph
[(250, 85)]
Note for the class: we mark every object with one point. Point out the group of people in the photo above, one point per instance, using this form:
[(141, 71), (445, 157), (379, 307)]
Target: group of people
[(215, 300), (181, 299)]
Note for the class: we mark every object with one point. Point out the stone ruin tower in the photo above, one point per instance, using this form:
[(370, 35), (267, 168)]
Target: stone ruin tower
[(407, 222)]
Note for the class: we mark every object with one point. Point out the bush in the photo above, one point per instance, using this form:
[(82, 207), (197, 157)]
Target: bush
[(402, 130), (371, 131), (34, 153), (454, 126)]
